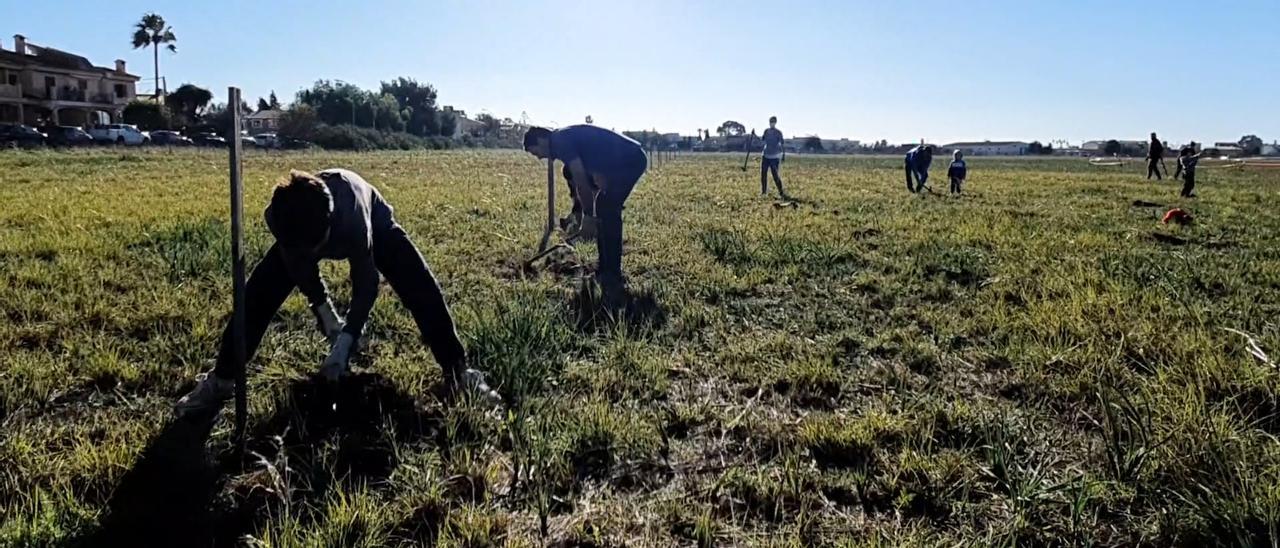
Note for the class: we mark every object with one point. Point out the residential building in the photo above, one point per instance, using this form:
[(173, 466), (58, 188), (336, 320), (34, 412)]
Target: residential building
[(464, 125), (263, 121), (42, 85), (1272, 149), (989, 148)]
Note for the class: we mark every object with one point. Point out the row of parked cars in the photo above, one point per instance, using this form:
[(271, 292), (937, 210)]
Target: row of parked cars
[(22, 136)]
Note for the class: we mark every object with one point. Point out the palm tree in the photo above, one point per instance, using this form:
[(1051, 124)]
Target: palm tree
[(151, 31)]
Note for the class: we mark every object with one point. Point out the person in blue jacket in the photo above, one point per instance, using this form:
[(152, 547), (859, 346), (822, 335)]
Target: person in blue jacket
[(957, 172), (917, 163), (604, 167)]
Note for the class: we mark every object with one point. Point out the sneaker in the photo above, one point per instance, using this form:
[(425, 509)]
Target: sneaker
[(472, 381), (208, 395)]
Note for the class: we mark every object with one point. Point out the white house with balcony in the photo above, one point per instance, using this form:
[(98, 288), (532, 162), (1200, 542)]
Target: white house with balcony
[(42, 85)]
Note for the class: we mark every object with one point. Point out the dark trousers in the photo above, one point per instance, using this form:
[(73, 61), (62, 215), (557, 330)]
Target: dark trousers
[(404, 269), (767, 166), (1153, 168), (920, 176), (955, 185), (609, 211), (1188, 183)]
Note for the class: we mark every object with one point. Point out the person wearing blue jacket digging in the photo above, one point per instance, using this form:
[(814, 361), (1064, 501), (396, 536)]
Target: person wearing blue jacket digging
[(917, 163), (605, 167)]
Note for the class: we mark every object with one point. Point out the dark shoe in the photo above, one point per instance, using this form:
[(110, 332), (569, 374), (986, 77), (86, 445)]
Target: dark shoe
[(614, 293), (208, 395)]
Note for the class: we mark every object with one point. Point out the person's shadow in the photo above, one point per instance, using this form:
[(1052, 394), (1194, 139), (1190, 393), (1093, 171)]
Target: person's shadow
[(165, 499), (639, 309), (318, 438)]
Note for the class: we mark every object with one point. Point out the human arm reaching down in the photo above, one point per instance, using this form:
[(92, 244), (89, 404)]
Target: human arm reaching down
[(364, 292), (587, 193)]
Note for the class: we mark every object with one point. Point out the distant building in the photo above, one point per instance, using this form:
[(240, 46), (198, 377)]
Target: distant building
[(464, 125), (989, 148), (1272, 149), (1224, 150), (41, 85), (263, 121)]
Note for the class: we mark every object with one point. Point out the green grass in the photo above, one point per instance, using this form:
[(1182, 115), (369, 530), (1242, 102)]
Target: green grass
[(1038, 362)]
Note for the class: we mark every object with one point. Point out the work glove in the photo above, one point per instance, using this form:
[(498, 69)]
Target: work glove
[(335, 366), (588, 229), (328, 321)]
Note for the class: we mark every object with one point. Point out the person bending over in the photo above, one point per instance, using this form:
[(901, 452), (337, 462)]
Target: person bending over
[(917, 163), (336, 215), (604, 167)]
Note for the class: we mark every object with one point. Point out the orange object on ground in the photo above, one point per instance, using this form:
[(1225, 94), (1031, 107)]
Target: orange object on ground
[(1176, 215)]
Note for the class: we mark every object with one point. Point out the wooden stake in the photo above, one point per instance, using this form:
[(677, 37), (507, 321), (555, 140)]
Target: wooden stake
[(551, 205), (237, 271)]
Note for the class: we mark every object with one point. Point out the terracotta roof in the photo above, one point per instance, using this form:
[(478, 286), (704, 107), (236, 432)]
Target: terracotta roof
[(56, 58)]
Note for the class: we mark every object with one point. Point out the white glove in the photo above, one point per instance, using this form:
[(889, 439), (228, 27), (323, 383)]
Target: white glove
[(335, 366), (587, 231), (328, 321)]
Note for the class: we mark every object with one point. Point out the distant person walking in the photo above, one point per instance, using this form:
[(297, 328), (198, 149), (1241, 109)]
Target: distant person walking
[(917, 164), (957, 172), (1155, 157), (773, 156)]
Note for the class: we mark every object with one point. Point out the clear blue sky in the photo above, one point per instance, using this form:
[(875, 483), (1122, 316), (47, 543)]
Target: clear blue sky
[(1078, 69)]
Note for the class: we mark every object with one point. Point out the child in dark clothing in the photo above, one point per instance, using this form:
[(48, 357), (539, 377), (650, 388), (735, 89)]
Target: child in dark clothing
[(1187, 169), (957, 172)]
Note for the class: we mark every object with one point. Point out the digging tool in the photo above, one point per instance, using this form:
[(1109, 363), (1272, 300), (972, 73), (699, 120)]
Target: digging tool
[(237, 271), (750, 141), (543, 249)]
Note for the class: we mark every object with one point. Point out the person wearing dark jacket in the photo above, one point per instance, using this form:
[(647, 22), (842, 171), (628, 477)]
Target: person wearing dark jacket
[(1187, 169), (957, 171), (1155, 157), (605, 166), (917, 164), (336, 215), (771, 157)]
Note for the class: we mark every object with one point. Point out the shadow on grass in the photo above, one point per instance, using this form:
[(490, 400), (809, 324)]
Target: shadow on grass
[(319, 437), (637, 310), (166, 498)]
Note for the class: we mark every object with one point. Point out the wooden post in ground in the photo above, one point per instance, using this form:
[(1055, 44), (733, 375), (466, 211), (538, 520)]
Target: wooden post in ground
[(237, 271), (551, 205)]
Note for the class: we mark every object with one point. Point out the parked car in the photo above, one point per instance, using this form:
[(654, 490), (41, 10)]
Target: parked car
[(289, 143), (66, 136), (266, 140), (120, 134), (169, 138), (18, 135), (208, 140), (247, 142)]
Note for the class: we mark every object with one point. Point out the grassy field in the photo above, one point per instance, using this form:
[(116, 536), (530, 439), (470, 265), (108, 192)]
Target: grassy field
[(1040, 362)]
